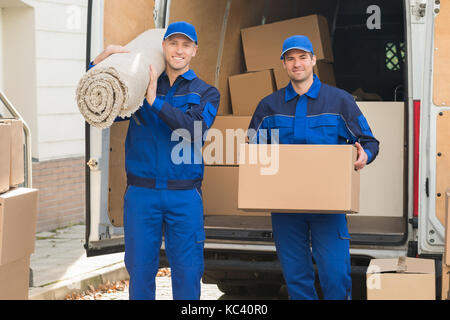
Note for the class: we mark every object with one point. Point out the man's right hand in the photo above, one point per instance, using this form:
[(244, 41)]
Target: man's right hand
[(111, 49)]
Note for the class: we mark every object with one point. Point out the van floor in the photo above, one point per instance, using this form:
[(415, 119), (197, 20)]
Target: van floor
[(369, 225)]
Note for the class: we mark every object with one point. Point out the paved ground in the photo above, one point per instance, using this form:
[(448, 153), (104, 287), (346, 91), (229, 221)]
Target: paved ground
[(60, 267), (163, 291)]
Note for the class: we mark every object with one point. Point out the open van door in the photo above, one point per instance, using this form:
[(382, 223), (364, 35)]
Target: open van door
[(434, 150), (104, 232)]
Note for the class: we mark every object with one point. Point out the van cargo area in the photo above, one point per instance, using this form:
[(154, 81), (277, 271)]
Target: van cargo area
[(362, 50), (369, 62)]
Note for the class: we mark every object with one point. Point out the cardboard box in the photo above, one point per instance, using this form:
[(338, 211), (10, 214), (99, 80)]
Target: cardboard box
[(401, 279), (263, 44), (220, 192), (5, 156), (248, 89), (298, 178), (223, 139), (322, 69), (18, 214), (17, 176), (15, 279)]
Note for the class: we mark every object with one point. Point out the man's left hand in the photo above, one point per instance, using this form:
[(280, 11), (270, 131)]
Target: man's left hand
[(152, 85), (361, 161)]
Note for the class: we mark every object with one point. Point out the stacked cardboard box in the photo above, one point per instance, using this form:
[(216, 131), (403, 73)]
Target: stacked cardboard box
[(5, 156), (263, 44), (12, 155), (220, 154), (18, 214)]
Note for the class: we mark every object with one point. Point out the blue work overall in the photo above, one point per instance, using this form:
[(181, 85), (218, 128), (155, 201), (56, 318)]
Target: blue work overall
[(323, 115), (164, 195)]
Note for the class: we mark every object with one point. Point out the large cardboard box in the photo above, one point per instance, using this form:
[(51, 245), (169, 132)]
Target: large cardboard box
[(224, 137), (248, 89), (14, 279), (322, 69), (298, 178), (18, 214), (17, 153), (263, 44), (220, 192), (401, 279), (5, 156)]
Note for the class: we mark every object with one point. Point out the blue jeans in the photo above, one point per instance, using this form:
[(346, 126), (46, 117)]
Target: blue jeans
[(147, 212), (301, 236)]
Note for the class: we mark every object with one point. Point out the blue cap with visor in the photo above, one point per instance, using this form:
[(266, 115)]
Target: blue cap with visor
[(297, 42), (181, 27)]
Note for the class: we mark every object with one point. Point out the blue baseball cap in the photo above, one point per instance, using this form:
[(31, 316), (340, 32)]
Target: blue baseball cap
[(181, 27), (297, 42)]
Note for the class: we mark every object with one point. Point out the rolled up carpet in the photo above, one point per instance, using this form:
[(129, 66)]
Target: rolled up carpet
[(117, 85)]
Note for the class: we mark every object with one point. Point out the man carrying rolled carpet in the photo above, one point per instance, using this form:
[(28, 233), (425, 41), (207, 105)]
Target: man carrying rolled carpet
[(164, 195)]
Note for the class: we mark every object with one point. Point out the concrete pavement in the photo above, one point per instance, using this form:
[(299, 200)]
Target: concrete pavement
[(59, 265)]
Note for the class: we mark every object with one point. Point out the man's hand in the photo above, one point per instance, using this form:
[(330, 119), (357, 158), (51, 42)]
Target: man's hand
[(111, 49), (361, 161), (152, 84)]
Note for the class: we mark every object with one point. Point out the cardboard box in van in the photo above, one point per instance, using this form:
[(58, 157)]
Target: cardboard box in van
[(298, 178), (224, 137), (5, 156), (248, 89), (220, 192), (401, 279), (18, 215), (263, 44), (322, 69)]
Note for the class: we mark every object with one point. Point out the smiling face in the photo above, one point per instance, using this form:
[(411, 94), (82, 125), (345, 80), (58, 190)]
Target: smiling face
[(299, 65), (178, 52)]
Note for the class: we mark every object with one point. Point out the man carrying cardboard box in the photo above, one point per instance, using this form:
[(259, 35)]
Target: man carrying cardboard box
[(162, 194), (309, 112)]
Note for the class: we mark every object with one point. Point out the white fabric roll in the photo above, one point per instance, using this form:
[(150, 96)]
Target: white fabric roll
[(117, 85)]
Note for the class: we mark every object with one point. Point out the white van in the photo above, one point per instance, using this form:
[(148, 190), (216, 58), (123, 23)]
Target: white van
[(392, 55)]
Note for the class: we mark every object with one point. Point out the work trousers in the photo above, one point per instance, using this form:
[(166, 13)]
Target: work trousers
[(301, 236), (148, 213)]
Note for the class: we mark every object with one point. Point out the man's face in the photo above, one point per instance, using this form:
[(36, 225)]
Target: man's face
[(299, 64), (178, 51)]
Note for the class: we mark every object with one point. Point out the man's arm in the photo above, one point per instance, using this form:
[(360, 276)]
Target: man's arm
[(204, 113), (358, 132), (257, 132)]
